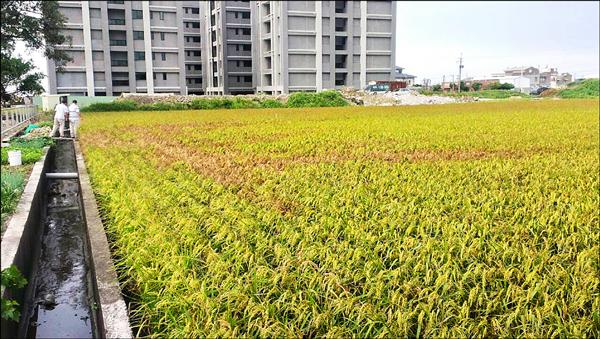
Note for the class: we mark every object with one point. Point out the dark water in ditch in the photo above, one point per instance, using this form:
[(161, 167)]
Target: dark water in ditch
[(61, 305)]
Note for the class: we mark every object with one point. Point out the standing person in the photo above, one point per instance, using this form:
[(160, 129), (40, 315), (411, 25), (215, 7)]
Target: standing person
[(59, 118), (74, 117)]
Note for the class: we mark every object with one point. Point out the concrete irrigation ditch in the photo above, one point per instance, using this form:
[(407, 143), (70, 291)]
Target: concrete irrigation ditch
[(57, 241)]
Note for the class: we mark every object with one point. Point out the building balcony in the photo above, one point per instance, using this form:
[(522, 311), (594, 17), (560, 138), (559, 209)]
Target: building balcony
[(118, 62), (118, 42), (120, 22)]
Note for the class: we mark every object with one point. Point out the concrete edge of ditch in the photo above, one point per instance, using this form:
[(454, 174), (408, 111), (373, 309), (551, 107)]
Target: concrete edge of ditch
[(20, 241), (113, 317)]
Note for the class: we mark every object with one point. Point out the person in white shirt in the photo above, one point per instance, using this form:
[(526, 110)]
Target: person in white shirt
[(59, 119), (74, 118)]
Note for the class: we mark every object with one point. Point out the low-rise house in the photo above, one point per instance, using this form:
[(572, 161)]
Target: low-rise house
[(407, 78), (531, 73), (552, 79)]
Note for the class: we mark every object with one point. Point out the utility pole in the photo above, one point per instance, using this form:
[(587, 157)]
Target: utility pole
[(443, 82), (460, 67)]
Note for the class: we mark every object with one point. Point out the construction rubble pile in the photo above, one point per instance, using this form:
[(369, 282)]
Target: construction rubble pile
[(399, 98), (353, 96), (37, 132)]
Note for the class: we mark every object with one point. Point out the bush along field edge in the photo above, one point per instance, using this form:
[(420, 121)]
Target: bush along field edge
[(329, 98)]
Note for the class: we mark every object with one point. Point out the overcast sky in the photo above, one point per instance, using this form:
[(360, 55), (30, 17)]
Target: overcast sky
[(491, 35), (495, 35)]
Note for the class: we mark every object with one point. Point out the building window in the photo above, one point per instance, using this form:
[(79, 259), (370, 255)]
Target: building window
[(245, 15), (154, 75), (196, 39), (139, 56), (153, 56), (247, 63), (151, 35), (198, 80), (138, 35), (246, 47), (161, 15), (197, 67), (195, 10), (140, 76), (162, 36), (187, 53), (246, 31), (163, 56), (195, 25), (247, 78), (164, 76), (196, 53), (137, 14)]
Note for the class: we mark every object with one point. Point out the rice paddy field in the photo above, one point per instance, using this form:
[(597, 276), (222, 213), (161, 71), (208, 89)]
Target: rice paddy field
[(440, 221)]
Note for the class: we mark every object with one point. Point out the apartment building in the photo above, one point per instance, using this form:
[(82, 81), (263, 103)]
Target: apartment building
[(130, 46), (317, 45), (228, 57), (224, 47)]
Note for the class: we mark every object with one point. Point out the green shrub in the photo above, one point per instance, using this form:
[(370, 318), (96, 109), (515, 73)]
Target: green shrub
[(272, 103), (244, 103), (302, 99), (322, 99), (115, 106)]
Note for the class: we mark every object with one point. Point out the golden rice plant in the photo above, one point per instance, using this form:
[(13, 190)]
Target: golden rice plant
[(430, 221)]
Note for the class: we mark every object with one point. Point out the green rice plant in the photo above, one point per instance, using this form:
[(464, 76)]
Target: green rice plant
[(458, 220)]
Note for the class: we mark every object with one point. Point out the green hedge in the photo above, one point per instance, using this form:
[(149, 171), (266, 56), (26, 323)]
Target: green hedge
[(301, 99)]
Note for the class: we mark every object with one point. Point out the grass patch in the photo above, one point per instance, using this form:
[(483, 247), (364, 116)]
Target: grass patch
[(486, 94), (11, 187), (589, 88)]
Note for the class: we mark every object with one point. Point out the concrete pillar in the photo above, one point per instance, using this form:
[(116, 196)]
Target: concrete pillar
[(148, 47), (87, 43)]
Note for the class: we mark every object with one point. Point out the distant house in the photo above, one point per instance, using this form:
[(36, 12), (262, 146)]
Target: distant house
[(531, 73), (400, 76), (552, 79)]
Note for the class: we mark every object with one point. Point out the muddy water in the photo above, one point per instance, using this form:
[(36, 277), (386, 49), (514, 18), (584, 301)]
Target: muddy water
[(61, 305)]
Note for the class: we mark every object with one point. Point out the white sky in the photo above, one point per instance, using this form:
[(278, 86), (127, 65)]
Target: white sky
[(496, 35), (491, 35)]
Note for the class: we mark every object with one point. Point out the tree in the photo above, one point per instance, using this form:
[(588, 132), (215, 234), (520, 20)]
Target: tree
[(506, 86), (39, 25), (503, 86), (436, 88), (476, 86)]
